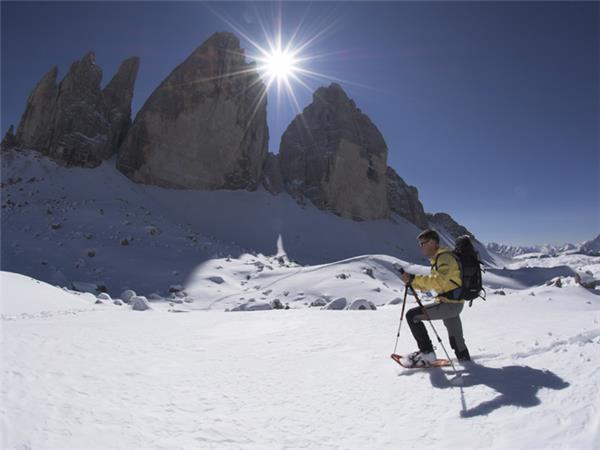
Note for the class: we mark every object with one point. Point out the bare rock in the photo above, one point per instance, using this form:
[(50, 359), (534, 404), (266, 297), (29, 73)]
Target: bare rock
[(445, 220), (118, 94), (10, 140), (37, 122), (81, 130), (75, 122), (334, 156), (404, 199), (204, 127), (271, 174), (276, 304), (216, 279)]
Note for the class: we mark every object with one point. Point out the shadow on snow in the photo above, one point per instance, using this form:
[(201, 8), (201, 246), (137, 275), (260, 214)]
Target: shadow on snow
[(515, 385)]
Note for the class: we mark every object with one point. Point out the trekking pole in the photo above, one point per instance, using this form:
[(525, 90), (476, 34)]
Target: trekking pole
[(433, 328), (401, 316)]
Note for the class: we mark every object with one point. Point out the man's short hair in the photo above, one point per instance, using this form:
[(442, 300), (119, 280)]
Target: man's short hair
[(429, 234)]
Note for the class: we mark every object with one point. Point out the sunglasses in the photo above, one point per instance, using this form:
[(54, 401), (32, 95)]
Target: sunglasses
[(422, 243)]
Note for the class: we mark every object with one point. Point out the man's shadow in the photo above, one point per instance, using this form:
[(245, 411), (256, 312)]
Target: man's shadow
[(515, 385)]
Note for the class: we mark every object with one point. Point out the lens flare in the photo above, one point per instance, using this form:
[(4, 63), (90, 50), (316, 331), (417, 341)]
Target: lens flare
[(283, 59), (279, 65)]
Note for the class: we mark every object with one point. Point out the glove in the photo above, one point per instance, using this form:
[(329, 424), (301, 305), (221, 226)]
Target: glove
[(407, 277)]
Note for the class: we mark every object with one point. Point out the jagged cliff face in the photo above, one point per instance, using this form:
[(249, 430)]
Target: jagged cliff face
[(81, 134), (75, 122), (118, 95), (271, 177), (404, 199), (37, 123), (334, 156), (204, 127), (453, 227)]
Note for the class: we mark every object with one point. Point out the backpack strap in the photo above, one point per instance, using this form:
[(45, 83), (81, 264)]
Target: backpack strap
[(453, 294), (483, 297), (443, 253)]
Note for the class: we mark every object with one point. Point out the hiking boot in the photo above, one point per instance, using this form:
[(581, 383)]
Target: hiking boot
[(420, 359), (463, 355)]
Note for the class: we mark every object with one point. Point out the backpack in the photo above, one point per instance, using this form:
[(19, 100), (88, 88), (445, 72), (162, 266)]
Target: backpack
[(470, 271)]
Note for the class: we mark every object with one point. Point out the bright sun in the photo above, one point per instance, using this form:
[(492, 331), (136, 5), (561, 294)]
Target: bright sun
[(281, 61), (280, 65)]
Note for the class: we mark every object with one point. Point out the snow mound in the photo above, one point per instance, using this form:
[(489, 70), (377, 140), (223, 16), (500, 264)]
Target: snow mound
[(253, 306), (318, 302), (127, 295), (337, 304), (361, 303), (26, 297), (139, 303)]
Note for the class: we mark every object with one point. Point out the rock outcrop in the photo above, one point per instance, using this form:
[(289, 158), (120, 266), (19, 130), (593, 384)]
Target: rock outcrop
[(81, 132), (404, 199), (118, 94), (204, 127), (334, 156), (37, 122), (75, 122), (271, 174), (9, 141), (454, 228)]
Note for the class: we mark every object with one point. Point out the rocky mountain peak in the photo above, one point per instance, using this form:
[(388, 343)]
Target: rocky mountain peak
[(334, 156), (75, 122), (205, 125)]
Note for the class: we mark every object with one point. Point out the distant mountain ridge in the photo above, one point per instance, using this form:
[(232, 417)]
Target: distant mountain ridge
[(590, 247)]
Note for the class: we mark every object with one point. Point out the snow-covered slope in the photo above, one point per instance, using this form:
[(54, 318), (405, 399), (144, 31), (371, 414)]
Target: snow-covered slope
[(69, 227), (227, 283), (111, 377), (27, 297), (66, 225)]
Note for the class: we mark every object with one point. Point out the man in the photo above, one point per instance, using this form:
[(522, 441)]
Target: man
[(445, 279)]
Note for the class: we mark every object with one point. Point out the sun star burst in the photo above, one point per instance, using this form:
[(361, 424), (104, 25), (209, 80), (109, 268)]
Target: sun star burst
[(280, 64)]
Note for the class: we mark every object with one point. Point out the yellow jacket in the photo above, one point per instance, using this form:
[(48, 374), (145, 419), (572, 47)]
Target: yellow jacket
[(444, 278)]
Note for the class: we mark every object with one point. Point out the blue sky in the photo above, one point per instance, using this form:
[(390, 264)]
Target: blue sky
[(491, 109)]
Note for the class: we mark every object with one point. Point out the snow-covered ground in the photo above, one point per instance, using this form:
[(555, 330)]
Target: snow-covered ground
[(263, 324), (81, 374)]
